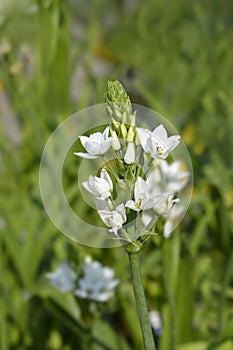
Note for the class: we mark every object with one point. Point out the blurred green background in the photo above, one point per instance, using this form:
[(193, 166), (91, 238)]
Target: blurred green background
[(173, 56)]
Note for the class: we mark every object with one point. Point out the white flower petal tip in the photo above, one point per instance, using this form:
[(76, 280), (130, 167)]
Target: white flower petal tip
[(157, 143), (85, 155), (96, 144)]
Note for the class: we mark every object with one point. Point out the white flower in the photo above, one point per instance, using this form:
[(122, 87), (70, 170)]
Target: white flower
[(157, 143), (163, 203), (98, 282), (96, 144), (113, 219), (176, 212), (101, 187), (175, 178), (129, 157), (63, 278), (142, 198)]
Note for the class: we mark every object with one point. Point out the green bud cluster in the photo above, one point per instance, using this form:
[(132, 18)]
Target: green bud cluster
[(119, 110), (118, 102)]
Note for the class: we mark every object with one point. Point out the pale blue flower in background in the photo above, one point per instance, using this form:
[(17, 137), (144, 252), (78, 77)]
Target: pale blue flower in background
[(156, 142), (62, 278), (98, 283), (96, 144), (101, 187), (156, 322)]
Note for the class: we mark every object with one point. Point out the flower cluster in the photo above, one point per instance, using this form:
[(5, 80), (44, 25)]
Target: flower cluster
[(97, 284), (142, 183)]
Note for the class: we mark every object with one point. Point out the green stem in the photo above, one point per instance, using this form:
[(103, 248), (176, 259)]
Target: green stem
[(139, 294)]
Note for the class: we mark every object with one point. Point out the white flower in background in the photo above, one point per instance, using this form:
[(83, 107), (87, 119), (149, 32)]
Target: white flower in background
[(63, 278), (156, 142), (113, 219), (156, 322), (96, 144), (175, 179), (129, 157), (101, 187), (176, 212), (163, 203), (98, 282), (142, 198)]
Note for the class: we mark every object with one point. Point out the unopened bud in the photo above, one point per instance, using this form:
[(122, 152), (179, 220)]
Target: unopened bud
[(129, 157), (115, 141), (131, 134), (132, 119), (123, 131), (118, 102)]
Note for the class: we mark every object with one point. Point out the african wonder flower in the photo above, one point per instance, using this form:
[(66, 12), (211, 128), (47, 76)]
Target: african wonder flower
[(156, 142), (142, 199), (63, 278), (175, 178), (96, 144), (101, 187), (98, 282), (175, 213), (163, 203), (113, 219)]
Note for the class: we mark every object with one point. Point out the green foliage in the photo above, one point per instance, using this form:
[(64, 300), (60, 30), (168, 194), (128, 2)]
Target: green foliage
[(173, 56)]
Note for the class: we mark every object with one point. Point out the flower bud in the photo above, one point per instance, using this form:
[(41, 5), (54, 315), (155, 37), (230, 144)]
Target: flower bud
[(118, 101), (129, 157), (131, 134), (115, 141), (123, 131)]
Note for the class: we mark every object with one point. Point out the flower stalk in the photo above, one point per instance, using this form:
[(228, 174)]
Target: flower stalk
[(140, 299)]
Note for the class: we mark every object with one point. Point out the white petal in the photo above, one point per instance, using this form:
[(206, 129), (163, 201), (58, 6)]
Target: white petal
[(83, 140), (160, 133), (143, 135), (131, 204), (89, 188), (104, 175), (140, 189), (129, 157), (106, 133), (85, 155), (105, 146), (92, 147)]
